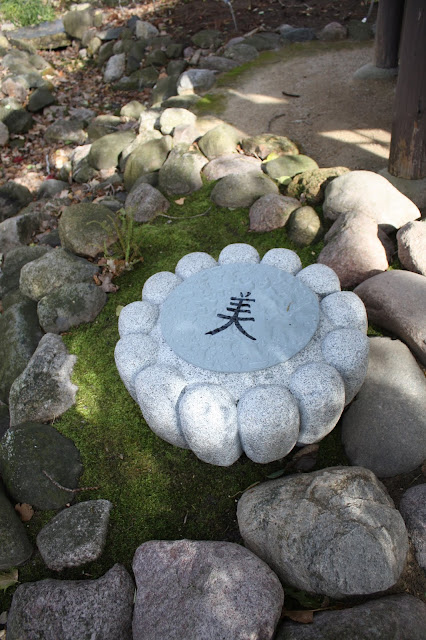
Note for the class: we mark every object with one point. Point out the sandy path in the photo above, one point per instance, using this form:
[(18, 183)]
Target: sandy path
[(336, 120)]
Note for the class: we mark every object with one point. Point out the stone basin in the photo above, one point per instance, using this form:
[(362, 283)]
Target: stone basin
[(242, 354)]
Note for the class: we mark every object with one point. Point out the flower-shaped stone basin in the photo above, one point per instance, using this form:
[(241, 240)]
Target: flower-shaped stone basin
[(243, 354)]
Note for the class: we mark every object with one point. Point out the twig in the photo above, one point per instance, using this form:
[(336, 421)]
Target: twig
[(291, 95), (66, 488), (164, 215), (279, 115)]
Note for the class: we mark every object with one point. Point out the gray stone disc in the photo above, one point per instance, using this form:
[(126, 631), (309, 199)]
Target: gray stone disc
[(239, 317)]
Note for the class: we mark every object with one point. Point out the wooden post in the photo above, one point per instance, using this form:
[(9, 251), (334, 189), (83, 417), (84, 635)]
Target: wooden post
[(407, 157), (388, 30)]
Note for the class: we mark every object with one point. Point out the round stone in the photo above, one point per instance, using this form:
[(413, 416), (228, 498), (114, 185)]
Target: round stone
[(283, 259), (193, 263), (320, 279), (239, 317), (347, 351), (137, 317), (157, 287), (133, 353), (238, 252)]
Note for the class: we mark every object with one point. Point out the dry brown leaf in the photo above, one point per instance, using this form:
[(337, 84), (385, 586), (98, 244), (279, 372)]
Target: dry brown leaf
[(303, 615), (107, 285), (25, 511), (180, 201)]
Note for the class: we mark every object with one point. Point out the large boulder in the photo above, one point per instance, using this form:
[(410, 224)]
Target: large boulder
[(230, 163), (87, 229), (187, 590), (144, 202), (76, 535), (195, 80), (312, 183), (271, 212), (63, 609), (334, 532), (384, 429), (105, 151), (400, 616), (264, 144), (13, 198), (66, 132), (412, 246), (20, 334), (220, 140), (30, 451), (56, 268), (149, 156), (76, 22), (370, 194), (287, 166), (396, 301), (181, 172), (44, 391), (70, 305)]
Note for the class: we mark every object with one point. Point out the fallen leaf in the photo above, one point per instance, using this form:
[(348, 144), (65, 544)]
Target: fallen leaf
[(304, 616), (25, 511), (106, 284), (180, 201), (275, 474), (8, 579), (118, 309)]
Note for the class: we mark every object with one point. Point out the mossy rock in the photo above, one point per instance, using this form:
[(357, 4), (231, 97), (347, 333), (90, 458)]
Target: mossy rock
[(147, 158), (87, 229), (313, 183), (105, 151), (288, 166)]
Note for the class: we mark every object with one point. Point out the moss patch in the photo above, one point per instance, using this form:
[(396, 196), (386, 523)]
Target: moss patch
[(158, 491)]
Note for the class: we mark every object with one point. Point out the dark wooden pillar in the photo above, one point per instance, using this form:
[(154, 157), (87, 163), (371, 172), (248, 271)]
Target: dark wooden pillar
[(408, 144), (388, 31)]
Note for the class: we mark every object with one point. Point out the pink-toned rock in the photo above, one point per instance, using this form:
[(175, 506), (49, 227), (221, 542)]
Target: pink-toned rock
[(191, 590), (370, 194), (333, 31), (396, 301), (412, 246), (356, 249), (14, 89), (271, 212)]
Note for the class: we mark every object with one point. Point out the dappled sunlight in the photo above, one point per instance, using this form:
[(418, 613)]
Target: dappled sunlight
[(376, 141), (257, 98)]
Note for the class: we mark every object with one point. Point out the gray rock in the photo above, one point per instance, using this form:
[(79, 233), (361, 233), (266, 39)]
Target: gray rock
[(356, 249), (181, 172), (241, 52), (299, 34), (412, 246), (156, 58), (194, 262), (43, 391), (370, 73), (29, 450), (99, 608), (283, 259), (333, 31), (81, 170), (40, 98), (14, 116), (396, 301), (4, 135), (145, 30), (165, 88), (20, 229), (15, 87), (347, 351), (132, 110), (334, 532), (311, 184), (70, 305), (76, 22), (21, 334), (185, 134), (195, 80), (176, 67), (413, 510), (217, 63), (264, 144), (13, 263), (264, 41), (146, 158), (235, 190), (370, 194), (383, 429), (50, 188), (75, 536), (415, 190), (56, 268), (102, 126), (230, 163), (87, 228), (271, 212), (66, 131), (222, 139), (207, 38), (115, 68), (172, 117), (105, 151), (238, 252), (287, 166), (268, 422), (144, 202), (399, 616), (304, 226), (320, 394), (15, 548), (208, 418), (48, 35), (193, 590), (137, 317), (13, 198), (345, 310)]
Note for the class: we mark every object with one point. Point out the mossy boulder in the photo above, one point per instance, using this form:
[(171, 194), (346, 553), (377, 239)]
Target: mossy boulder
[(264, 144), (313, 183), (181, 172), (87, 229), (102, 126), (13, 263), (70, 305), (144, 202), (13, 198), (29, 450), (288, 166), (65, 131), (146, 158), (14, 116), (105, 151), (304, 226), (220, 140), (207, 38)]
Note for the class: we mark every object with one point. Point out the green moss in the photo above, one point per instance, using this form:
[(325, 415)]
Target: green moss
[(158, 491), (210, 103)]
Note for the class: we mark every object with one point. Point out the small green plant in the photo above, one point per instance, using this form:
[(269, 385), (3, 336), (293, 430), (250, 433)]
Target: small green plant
[(25, 13), (127, 246)]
